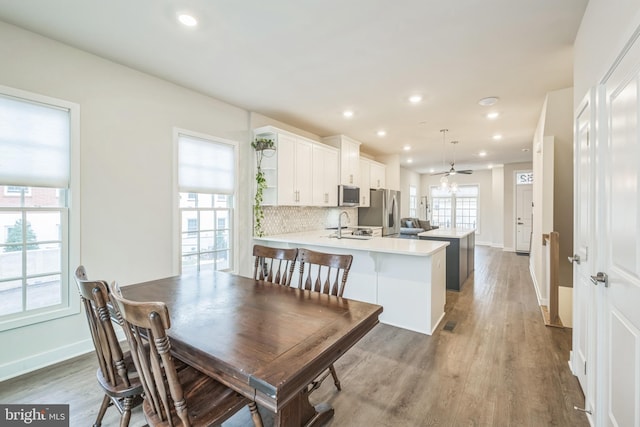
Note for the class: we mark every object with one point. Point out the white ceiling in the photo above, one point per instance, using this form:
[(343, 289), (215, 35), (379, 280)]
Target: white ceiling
[(303, 62)]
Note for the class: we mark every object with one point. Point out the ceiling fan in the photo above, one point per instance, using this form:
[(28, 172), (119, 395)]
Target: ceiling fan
[(452, 170)]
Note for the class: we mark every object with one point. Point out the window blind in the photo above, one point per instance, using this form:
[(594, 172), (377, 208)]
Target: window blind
[(34, 143), (205, 166)]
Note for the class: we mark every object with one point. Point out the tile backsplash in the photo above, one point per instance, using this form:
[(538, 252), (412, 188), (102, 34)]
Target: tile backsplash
[(294, 219)]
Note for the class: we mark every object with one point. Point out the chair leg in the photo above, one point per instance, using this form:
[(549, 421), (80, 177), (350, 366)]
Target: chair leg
[(255, 415), (336, 381), (127, 404), (106, 401)]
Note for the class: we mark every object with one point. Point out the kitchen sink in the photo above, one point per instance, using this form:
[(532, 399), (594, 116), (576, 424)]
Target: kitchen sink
[(352, 237)]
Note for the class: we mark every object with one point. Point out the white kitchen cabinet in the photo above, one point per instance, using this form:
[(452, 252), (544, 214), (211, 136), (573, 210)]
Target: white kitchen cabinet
[(377, 174), (349, 158), (325, 175), (365, 180), (289, 172)]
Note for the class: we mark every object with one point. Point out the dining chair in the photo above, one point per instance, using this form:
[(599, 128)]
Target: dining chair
[(182, 398), (274, 265), (325, 273), (116, 372)]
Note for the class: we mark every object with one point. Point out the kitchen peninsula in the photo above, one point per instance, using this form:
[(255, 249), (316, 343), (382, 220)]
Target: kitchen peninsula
[(460, 253), (405, 276)]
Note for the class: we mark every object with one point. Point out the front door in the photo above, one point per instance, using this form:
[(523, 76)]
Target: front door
[(524, 198), (619, 204)]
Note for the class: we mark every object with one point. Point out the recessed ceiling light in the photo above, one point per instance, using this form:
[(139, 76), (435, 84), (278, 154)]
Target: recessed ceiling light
[(432, 170), (493, 115), (409, 160), (347, 113), (187, 20), (497, 137), (406, 148), (414, 99), (488, 101), (381, 132), (482, 153), (490, 166)]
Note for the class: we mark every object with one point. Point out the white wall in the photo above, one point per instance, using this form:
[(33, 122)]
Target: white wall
[(497, 196), (127, 187)]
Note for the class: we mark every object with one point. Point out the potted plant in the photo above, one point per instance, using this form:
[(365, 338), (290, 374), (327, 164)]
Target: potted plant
[(262, 146)]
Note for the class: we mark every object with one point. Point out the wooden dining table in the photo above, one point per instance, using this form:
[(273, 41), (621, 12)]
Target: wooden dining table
[(268, 342)]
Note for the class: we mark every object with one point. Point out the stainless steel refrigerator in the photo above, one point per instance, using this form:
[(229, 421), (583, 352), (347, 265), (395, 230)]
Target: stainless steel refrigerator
[(384, 210)]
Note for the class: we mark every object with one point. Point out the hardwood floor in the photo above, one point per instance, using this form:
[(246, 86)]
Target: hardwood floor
[(492, 362)]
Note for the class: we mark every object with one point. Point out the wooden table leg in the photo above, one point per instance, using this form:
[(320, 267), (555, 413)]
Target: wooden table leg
[(300, 413)]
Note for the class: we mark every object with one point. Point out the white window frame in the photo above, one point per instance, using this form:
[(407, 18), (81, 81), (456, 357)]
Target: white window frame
[(413, 201), (453, 198), (177, 226), (70, 304)]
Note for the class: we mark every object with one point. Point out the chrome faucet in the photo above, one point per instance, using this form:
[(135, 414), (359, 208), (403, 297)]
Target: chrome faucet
[(339, 234)]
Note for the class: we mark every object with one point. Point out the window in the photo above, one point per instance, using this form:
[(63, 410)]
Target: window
[(206, 186), (36, 135), (459, 209), (524, 178), (413, 202)]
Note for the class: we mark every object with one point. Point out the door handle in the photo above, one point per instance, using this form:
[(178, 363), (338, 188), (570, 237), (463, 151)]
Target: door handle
[(575, 258), (600, 278), (520, 223)]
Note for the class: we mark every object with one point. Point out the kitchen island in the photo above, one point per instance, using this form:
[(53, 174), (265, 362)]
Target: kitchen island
[(460, 253), (406, 277)]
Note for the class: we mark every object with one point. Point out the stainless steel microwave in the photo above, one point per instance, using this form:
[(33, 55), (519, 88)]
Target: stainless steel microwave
[(348, 195)]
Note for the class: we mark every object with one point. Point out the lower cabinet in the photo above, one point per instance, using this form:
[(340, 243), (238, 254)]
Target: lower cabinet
[(460, 258)]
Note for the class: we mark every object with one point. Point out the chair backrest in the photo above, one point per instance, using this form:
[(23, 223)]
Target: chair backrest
[(274, 264), (94, 295), (322, 272), (147, 322)]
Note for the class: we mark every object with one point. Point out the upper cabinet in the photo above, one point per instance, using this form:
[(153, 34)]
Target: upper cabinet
[(289, 171), (377, 175), (349, 158), (325, 175), (365, 179)]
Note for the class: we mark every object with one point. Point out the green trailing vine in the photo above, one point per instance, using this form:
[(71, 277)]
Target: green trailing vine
[(260, 145)]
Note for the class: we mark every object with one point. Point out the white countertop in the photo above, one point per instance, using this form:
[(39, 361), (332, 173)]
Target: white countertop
[(453, 233), (413, 247)]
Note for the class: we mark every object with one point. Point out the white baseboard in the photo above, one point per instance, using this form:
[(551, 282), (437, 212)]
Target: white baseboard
[(571, 363), (496, 245), (541, 301), (481, 243), (508, 249), (42, 360)]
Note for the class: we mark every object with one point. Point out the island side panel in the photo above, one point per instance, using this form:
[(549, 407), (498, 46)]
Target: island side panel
[(412, 290)]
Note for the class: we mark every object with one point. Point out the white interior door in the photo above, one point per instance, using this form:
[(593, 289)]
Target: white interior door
[(584, 293), (524, 198), (620, 205)]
